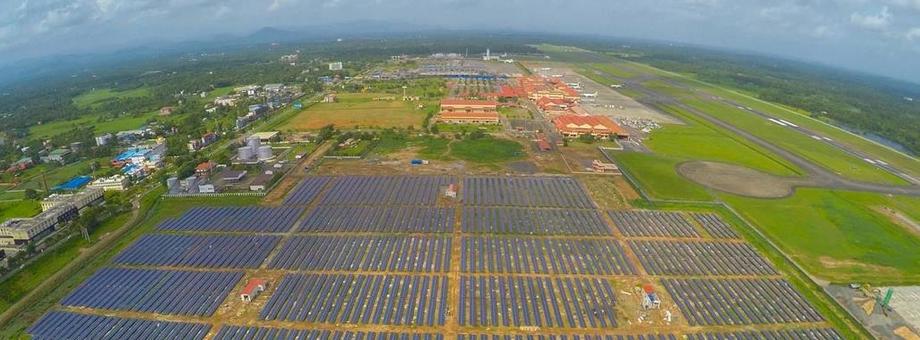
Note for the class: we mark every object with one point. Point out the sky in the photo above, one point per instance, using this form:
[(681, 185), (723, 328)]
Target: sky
[(875, 36)]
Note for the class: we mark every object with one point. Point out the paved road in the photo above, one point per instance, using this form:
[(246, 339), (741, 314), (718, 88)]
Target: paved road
[(818, 176)]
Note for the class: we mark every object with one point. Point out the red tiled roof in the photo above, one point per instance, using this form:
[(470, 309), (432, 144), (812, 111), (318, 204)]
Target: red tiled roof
[(468, 115), (252, 285), (562, 123), (468, 102)]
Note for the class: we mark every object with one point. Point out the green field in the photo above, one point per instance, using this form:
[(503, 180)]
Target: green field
[(22, 208), (93, 98), (359, 110), (841, 236), (658, 178), (99, 127), (487, 150)]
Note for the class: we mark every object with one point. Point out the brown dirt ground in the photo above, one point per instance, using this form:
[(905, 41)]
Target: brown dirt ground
[(738, 179)]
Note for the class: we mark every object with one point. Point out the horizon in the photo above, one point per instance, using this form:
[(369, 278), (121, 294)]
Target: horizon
[(880, 37)]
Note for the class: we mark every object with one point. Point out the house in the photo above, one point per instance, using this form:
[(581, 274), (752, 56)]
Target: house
[(232, 175), (461, 111), (451, 191), (225, 101), (551, 105), (104, 139), (599, 166), (205, 168), (329, 98), (273, 88), (597, 126), (167, 110), (261, 182), (20, 165), (57, 155), (206, 188), (252, 289)]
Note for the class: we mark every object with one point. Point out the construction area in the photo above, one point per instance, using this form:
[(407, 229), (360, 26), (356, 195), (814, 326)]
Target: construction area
[(433, 258)]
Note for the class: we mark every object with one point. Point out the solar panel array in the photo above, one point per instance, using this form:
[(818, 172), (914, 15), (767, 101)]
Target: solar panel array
[(375, 252), (739, 301), (379, 219), (365, 253), (791, 334), (565, 337), (65, 325), (234, 219), (214, 251), (395, 190), (519, 255), (265, 333), (364, 299), (306, 191), (644, 223), (507, 220), (559, 192), (700, 258), (157, 291), (534, 301), (714, 225)]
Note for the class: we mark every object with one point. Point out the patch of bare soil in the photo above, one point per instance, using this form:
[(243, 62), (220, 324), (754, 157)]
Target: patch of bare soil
[(738, 180), (900, 219)]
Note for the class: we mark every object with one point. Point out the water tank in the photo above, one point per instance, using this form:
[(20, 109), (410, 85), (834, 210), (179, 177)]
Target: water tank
[(253, 142), (245, 153), (265, 152)]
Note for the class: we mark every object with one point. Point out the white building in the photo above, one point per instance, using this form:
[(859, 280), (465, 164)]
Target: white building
[(104, 139), (113, 183), (80, 200), (336, 66)]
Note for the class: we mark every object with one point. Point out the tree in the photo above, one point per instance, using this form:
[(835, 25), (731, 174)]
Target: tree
[(434, 129), (31, 194)]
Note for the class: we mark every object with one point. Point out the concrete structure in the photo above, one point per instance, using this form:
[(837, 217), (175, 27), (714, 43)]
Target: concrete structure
[(265, 136), (113, 183), (597, 126), (206, 188), (232, 175), (79, 200), (461, 111), (261, 182), (599, 166), (56, 155), (336, 66), (226, 101), (104, 139)]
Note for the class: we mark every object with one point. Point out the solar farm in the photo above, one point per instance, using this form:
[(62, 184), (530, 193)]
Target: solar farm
[(434, 258)]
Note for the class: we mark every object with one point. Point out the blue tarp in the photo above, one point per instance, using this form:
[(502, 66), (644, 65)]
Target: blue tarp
[(74, 183)]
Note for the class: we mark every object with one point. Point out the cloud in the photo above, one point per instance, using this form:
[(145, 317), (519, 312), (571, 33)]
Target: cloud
[(877, 22), (913, 34)]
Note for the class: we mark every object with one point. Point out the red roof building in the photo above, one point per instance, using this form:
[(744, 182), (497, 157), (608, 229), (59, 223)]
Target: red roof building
[(463, 111), (252, 289), (205, 167), (597, 126)]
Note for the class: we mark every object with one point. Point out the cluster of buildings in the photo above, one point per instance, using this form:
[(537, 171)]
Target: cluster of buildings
[(205, 140), (126, 136), (139, 161), (57, 210)]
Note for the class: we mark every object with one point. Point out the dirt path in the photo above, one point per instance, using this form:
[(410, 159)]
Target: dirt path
[(296, 174)]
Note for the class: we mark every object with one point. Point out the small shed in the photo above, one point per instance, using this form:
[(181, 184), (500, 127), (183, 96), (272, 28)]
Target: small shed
[(252, 289)]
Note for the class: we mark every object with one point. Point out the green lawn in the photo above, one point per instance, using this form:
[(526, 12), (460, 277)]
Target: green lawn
[(434, 148), (839, 236), (99, 127), (466, 128), (657, 175), (487, 150), (23, 208), (92, 98)]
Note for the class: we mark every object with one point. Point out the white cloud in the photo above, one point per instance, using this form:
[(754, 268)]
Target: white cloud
[(913, 34), (878, 22)]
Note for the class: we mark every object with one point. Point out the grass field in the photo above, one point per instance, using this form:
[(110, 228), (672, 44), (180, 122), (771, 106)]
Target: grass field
[(99, 127), (92, 98), (22, 208), (487, 150), (841, 236), (658, 178), (515, 112), (358, 110)]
